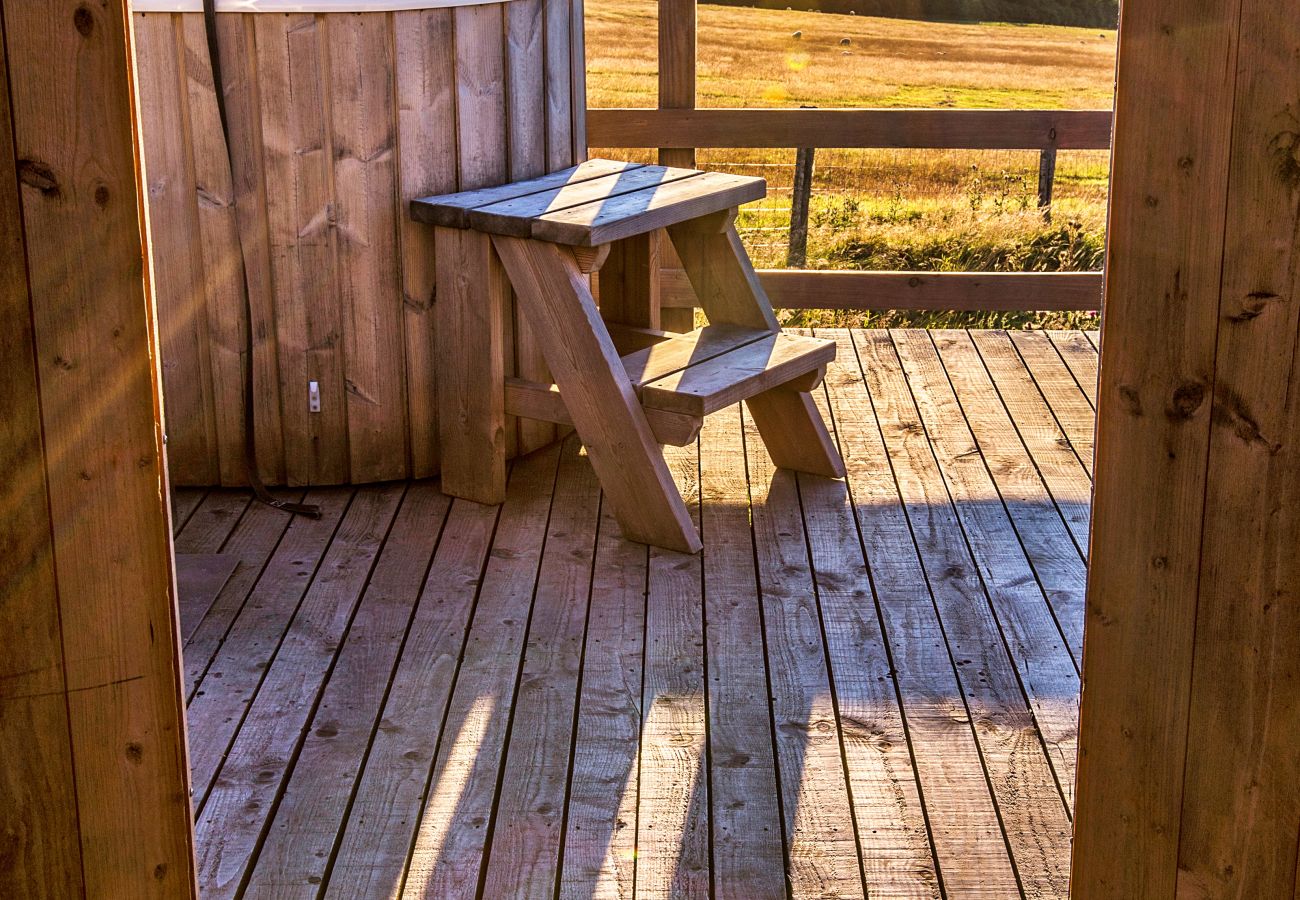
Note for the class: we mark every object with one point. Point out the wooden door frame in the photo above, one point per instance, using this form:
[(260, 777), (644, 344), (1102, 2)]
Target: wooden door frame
[(83, 409), (96, 774), (1189, 776)]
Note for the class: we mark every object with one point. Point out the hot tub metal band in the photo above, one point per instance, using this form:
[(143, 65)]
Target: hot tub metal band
[(250, 435)]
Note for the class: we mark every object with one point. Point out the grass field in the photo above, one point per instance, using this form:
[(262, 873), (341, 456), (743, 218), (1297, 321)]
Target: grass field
[(888, 209)]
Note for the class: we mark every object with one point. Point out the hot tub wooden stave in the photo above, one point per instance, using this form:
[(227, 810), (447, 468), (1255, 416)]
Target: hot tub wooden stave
[(338, 120)]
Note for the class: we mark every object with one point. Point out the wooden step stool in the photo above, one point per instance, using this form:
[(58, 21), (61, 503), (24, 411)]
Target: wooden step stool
[(625, 386)]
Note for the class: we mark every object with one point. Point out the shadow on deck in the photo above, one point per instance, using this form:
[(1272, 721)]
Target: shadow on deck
[(861, 687)]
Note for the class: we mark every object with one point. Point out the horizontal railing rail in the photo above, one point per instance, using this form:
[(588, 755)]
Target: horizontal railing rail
[(941, 129), (1012, 129), (934, 291)]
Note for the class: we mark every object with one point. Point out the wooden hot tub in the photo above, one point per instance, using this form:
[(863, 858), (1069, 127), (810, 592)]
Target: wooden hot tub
[(340, 114)]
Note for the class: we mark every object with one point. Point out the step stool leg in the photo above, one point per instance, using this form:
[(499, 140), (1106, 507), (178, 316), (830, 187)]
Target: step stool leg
[(729, 290), (469, 314), (795, 435), (720, 272), (597, 392)]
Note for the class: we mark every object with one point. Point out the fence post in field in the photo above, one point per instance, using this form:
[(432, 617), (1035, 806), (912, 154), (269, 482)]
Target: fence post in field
[(677, 62), (805, 159), (1046, 180)]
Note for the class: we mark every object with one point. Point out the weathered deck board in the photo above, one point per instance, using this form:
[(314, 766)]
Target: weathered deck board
[(1018, 479), (1036, 646), (529, 817), (1070, 405), (672, 841), (821, 852), (318, 792), (859, 689)]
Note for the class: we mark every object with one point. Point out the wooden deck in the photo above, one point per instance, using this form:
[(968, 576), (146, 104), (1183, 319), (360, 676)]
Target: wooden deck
[(855, 690)]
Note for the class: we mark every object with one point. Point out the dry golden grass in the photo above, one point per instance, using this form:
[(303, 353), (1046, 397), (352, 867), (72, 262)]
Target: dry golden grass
[(934, 209), (748, 57)]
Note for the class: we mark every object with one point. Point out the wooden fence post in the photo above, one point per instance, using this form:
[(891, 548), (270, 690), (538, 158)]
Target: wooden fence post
[(1046, 180), (677, 55), (805, 160)]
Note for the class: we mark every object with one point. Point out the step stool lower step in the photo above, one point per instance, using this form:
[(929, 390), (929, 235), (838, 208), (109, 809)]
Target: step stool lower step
[(680, 378)]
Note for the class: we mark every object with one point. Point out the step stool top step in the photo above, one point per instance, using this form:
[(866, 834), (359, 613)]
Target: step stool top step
[(591, 204)]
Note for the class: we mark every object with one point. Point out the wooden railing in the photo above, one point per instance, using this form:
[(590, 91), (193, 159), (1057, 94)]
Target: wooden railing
[(678, 128), (944, 129)]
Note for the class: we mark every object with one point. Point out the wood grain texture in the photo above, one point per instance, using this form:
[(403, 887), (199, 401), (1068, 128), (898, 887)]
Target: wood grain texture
[(677, 352), (447, 853), (1021, 479), (800, 289), (263, 752), (674, 801), (516, 216), (38, 818), (625, 216), (200, 578), (255, 541), (224, 682), (629, 283), (222, 296), (243, 105), (720, 272), (1018, 808), (1060, 463), (754, 369), (749, 834), (452, 210), (1080, 357), (544, 402), (598, 394), (377, 836), (531, 800), (677, 124), (1241, 808), (1054, 380), (1035, 642), (107, 537), (853, 611), (526, 85), (293, 68), (821, 845), (317, 793), (471, 352), (179, 272), (578, 78), (337, 124), (1170, 186), (363, 121), (883, 694), (600, 838), (560, 111), (426, 136)]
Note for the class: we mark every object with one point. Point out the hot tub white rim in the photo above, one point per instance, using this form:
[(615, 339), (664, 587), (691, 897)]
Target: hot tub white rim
[(301, 6)]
